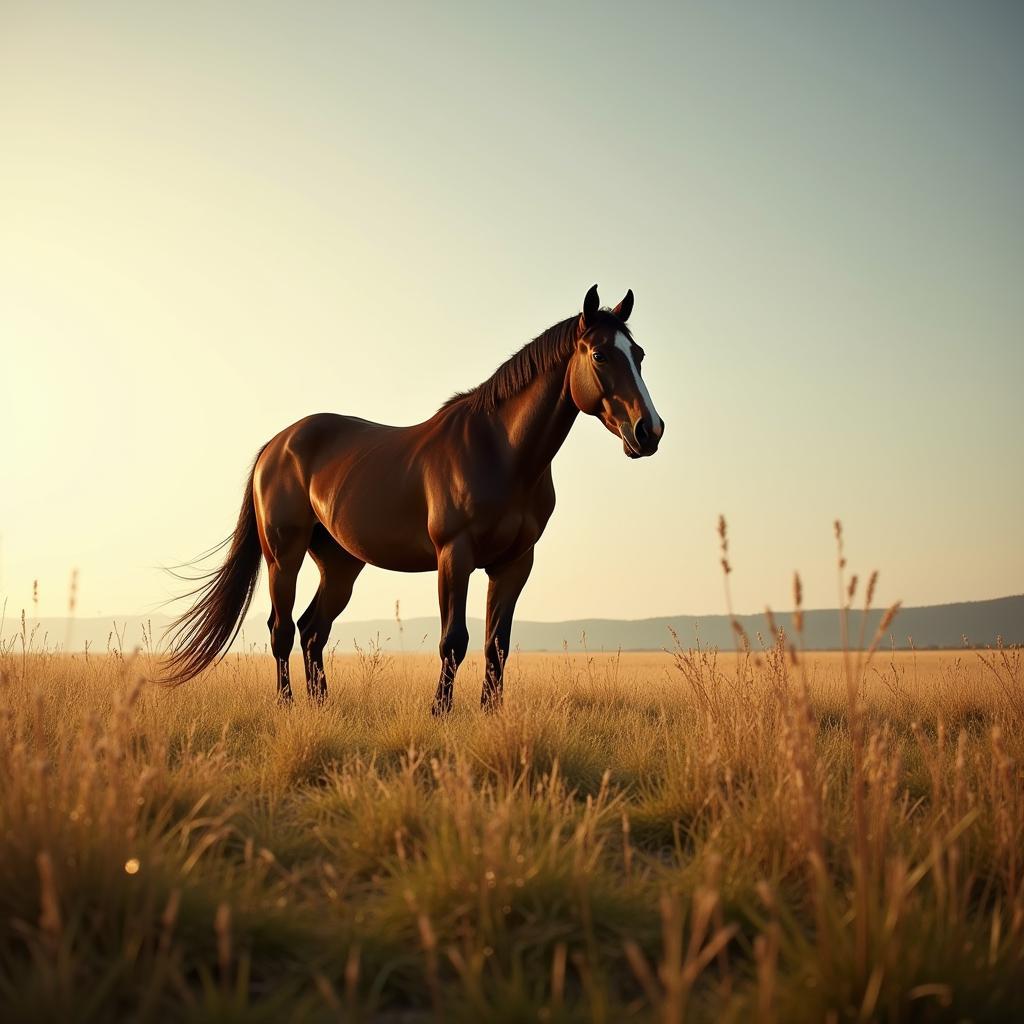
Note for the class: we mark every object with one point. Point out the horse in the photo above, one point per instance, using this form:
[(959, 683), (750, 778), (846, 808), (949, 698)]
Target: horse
[(470, 488)]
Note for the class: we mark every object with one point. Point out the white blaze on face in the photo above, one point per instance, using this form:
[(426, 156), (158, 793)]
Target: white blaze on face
[(623, 343)]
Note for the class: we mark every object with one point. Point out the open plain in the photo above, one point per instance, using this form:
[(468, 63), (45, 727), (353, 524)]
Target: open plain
[(665, 836)]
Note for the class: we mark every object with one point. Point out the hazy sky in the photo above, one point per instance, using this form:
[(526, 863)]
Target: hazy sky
[(215, 219)]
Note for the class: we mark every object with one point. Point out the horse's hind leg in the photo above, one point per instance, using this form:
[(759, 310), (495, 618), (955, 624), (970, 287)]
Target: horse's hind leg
[(338, 572), (284, 550)]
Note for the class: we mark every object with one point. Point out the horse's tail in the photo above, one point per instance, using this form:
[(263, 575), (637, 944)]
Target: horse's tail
[(201, 636)]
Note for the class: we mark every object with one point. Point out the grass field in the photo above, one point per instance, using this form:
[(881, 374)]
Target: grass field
[(650, 836)]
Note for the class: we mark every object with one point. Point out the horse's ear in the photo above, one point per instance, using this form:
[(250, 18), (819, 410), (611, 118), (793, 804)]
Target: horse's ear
[(625, 307), (591, 304)]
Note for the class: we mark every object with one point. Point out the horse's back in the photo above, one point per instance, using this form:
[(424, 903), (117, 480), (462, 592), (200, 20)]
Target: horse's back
[(307, 445)]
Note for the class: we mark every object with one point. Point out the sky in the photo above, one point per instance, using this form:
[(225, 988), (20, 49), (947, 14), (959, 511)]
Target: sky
[(216, 219)]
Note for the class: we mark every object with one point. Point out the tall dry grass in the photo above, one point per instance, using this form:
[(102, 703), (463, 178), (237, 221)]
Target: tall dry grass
[(763, 836)]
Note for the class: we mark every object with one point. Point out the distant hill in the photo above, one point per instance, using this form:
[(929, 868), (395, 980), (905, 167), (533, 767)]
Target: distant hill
[(945, 626)]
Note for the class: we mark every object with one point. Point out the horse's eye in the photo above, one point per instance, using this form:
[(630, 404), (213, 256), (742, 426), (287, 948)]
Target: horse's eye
[(599, 356)]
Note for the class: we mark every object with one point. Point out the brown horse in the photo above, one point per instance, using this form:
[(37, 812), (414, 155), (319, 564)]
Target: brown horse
[(468, 489)]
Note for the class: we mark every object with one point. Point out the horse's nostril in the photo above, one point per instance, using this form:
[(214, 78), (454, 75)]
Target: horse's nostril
[(640, 432)]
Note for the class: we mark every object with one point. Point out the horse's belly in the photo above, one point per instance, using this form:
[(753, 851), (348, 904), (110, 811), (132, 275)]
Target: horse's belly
[(384, 541), (390, 554), (376, 524)]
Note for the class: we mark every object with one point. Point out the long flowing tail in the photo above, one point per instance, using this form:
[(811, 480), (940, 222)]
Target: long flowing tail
[(203, 634)]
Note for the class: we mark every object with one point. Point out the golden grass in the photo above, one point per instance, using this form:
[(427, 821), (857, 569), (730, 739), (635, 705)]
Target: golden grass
[(649, 836)]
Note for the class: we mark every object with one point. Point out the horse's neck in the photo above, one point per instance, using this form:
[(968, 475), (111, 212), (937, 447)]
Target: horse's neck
[(538, 419)]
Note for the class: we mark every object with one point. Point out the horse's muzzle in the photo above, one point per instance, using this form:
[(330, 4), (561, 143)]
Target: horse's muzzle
[(642, 438)]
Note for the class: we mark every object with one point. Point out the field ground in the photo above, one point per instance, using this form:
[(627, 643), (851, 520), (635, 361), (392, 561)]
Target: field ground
[(644, 837)]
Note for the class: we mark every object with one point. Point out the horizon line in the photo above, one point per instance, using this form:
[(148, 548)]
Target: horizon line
[(553, 622)]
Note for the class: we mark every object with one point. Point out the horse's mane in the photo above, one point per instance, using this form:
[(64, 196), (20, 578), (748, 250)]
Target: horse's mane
[(547, 350)]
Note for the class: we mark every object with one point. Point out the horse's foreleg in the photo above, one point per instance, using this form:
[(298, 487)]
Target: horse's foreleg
[(506, 584), (454, 566)]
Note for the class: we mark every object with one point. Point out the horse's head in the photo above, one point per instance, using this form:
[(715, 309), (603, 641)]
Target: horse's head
[(605, 380)]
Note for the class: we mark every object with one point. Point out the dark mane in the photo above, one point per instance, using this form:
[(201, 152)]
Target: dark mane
[(547, 350)]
